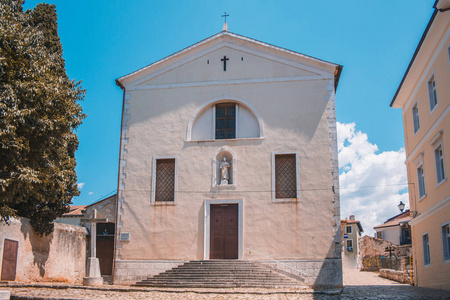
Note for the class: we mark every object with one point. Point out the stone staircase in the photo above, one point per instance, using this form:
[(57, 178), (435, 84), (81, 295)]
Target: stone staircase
[(221, 274)]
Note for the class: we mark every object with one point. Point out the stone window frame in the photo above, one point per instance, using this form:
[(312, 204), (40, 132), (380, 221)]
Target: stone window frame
[(415, 117), (421, 184), (445, 242), (153, 194), (351, 229), (426, 249), (439, 162), (226, 99), (432, 92), (297, 174), (347, 247), (207, 223), (236, 117)]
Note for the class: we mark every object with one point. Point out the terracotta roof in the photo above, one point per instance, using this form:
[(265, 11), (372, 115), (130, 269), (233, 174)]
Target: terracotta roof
[(75, 211), (403, 217)]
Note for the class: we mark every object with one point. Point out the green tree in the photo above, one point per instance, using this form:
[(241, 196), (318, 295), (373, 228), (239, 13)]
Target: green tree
[(39, 114)]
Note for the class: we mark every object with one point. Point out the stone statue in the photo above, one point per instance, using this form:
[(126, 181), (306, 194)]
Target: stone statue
[(224, 166)]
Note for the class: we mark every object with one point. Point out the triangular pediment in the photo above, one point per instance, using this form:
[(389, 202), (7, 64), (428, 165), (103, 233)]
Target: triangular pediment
[(246, 60)]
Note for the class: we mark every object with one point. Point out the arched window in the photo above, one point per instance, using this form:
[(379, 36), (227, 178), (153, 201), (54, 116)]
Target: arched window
[(224, 119)]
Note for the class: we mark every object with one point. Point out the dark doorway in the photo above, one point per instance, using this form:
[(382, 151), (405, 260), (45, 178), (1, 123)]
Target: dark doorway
[(9, 262), (224, 231), (105, 247)]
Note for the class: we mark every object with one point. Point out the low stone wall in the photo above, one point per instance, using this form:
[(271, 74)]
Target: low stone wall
[(399, 276), (58, 257), (132, 271), (404, 250), (315, 273)]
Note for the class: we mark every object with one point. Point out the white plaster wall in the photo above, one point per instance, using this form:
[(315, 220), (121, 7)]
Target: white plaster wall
[(298, 116), (203, 126), (248, 126), (392, 234)]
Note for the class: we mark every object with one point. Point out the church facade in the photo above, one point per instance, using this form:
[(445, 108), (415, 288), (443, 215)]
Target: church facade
[(229, 151)]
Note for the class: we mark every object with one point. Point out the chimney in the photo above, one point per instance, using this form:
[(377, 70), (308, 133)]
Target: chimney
[(352, 218)]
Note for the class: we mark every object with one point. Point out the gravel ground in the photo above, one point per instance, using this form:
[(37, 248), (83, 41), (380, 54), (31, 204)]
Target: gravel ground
[(357, 285)]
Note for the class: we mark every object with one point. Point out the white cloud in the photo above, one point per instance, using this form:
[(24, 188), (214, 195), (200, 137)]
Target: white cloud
[(90, 193), (372, 183), (80, 185)]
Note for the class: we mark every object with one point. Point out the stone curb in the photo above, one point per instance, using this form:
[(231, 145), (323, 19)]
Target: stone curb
[(222, 291)]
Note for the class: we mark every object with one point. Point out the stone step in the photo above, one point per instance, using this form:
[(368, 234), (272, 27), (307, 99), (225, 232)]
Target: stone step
[(215, 278), (220, 273), (219, 285)]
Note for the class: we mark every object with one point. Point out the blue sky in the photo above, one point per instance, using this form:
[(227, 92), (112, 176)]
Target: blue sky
[(104, 40)]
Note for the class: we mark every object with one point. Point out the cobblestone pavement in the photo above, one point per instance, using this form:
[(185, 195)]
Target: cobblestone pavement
[(357, 285)]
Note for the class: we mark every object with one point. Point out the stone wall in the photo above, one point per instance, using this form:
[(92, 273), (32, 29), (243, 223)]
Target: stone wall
[(371, 250), (399, 276), (315, 273), (58, 257)]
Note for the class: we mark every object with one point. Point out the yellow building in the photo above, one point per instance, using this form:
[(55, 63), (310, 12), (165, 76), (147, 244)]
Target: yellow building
[(424, 97)]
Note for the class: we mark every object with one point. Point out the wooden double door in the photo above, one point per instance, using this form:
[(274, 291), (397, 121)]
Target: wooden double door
[(224, 231)]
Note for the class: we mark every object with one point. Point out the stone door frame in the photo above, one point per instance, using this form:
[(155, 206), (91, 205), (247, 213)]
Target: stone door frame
[(207, 224)]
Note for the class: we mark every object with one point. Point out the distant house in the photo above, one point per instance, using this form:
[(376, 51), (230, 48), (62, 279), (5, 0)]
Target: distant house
[(351, 230), (424, 98), (73, 217), (396, 229)]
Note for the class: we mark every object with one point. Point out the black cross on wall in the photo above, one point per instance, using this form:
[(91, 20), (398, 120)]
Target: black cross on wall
[(224, 59)]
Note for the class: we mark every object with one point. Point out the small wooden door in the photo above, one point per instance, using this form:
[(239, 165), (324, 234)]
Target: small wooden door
[(224, 231), (105, 253), (105, 247), (9, 262)]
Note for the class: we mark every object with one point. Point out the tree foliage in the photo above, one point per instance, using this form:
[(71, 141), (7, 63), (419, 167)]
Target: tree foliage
[(38, 117)]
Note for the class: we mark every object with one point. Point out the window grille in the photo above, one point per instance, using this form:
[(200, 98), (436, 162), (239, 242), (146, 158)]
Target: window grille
[(165, 180), (226, 121), (285, 176)]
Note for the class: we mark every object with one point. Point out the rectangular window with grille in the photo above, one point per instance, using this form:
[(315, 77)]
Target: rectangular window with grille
[(164, 185), (225, 121), (285, 176)]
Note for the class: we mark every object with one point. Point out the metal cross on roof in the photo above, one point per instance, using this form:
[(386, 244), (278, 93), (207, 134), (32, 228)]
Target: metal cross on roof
[(225, 16)]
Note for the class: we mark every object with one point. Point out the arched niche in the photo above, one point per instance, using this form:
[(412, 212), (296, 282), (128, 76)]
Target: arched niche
[(202, 125), (218, 158)]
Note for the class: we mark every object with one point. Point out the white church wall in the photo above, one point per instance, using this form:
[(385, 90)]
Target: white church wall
[(298, 116)]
